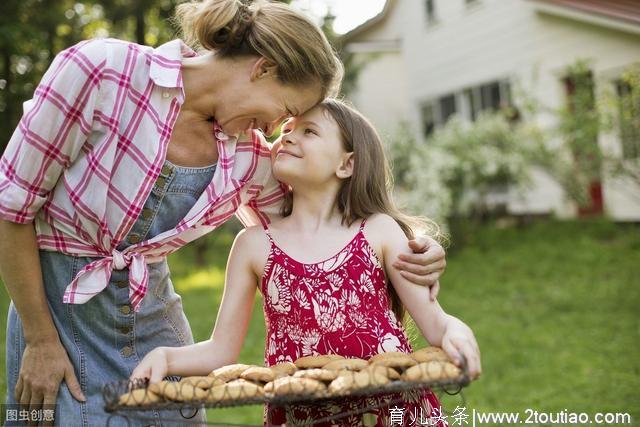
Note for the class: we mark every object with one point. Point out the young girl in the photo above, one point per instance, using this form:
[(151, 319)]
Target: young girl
[(325, 270)]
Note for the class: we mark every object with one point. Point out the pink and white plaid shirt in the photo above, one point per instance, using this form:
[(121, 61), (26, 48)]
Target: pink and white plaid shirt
[(91, 144)]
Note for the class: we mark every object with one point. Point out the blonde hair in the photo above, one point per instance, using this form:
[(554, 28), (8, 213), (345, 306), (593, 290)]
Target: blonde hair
[(369, 189), (272, 30)]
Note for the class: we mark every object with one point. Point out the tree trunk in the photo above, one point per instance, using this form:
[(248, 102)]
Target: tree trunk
[(7, 123), (140, 29)]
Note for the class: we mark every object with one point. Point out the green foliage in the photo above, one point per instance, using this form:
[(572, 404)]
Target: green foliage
[(625, 116), (572, 151), (32, 32), (454, 172)]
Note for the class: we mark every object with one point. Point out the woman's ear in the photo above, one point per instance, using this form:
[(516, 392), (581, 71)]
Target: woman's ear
[(345, 169), (263, 68)]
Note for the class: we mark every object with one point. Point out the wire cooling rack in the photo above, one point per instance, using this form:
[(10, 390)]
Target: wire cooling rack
[(126, 400)]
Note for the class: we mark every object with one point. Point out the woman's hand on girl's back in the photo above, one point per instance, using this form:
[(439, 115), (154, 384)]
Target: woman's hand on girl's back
[(153, 367)]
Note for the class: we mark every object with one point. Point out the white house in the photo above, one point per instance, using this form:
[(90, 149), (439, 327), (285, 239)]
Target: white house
[(429, 59)]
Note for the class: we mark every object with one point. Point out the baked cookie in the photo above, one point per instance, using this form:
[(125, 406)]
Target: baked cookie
[(390, 373), (179, 392), (429, 354), (431, 371), (310, 362), (287, 386), (140, 396), (287, 368), (204, 383), (393, 360), (354, 381), (259, 374), (346, 365), (229, 372), (234, 390), (319, 374)]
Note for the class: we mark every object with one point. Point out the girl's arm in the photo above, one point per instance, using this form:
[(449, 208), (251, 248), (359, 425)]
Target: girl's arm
[(439, 328), (223, 348)]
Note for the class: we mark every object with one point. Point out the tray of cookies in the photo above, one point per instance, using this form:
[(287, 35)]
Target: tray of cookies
[(308, 380)]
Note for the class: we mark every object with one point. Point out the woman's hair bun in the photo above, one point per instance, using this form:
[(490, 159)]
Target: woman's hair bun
[(268, 29), (219, 25)]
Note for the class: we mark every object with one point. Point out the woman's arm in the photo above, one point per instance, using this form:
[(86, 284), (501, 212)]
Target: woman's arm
[(223, 348), (49, 137), (45, 362), (439, 328)]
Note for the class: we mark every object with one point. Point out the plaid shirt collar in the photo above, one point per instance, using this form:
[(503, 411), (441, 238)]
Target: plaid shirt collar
[(166, 62)]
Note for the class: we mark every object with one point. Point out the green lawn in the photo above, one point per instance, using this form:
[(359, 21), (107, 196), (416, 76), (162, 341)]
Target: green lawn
[(555, 307)]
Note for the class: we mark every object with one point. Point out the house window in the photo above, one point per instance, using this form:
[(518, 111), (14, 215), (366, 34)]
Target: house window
[(468, 103), (428, 119), (492, 96), (430, 9), (629, 118), (447, 107)]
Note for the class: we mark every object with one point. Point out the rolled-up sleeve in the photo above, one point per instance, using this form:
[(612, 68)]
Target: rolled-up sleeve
[(52, 131)]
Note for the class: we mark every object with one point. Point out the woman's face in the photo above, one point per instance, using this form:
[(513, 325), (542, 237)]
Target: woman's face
[(310, 149), (263, 102)]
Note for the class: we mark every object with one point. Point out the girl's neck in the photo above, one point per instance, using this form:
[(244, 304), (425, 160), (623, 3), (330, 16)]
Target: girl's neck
[(314, 210)]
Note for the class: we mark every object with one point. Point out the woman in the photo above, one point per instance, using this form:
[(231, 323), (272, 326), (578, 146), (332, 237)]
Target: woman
[(123, 156)]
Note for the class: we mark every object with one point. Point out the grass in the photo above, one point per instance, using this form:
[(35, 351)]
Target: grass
[(554, 305)]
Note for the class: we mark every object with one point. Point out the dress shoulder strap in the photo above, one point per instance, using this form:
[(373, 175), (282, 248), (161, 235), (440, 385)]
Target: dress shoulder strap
[(268, 233), (362, 224)]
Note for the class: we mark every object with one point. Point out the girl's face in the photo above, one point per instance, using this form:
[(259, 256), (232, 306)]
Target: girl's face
[(310, 150), (261, 101)]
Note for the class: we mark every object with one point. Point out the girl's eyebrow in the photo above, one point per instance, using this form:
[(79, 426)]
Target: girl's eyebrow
[(309, 122)]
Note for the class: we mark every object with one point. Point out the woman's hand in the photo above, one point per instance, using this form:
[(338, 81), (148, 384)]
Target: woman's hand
[(457, 341), (153, 367), (425, 265), (45, 364)]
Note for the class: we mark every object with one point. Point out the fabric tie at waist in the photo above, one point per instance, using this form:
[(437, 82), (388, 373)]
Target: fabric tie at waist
[(94, 277)]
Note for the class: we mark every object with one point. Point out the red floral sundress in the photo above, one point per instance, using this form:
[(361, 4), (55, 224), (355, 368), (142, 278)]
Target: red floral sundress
[(337, 306)]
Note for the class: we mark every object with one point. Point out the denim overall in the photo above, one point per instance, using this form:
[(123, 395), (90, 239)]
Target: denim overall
[(104, 338)]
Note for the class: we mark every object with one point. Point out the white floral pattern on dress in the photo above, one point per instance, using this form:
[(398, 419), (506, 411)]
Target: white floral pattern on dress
[(338, 306)]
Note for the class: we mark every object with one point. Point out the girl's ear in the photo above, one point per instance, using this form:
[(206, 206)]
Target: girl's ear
[(263, 68), (345, 168)]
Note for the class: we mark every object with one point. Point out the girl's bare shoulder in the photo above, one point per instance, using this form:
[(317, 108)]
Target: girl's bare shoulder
[(251, 238), (253, 244), (380, 225)]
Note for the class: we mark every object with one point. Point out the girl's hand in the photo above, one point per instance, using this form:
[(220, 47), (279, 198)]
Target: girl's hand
[(458, 341), (153, 367), (425, 265)]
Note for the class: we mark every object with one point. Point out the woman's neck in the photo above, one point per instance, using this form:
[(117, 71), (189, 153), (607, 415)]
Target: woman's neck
[(204, 79)]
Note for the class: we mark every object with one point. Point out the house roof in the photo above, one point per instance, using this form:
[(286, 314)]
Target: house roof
[(368, 23), (623, 10), (626, 12)]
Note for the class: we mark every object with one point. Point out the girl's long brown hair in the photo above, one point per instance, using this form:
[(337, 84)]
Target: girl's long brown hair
[(369, 190)]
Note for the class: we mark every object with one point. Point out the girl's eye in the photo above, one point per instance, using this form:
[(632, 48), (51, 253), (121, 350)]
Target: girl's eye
[(309, 131), (285, 130)]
